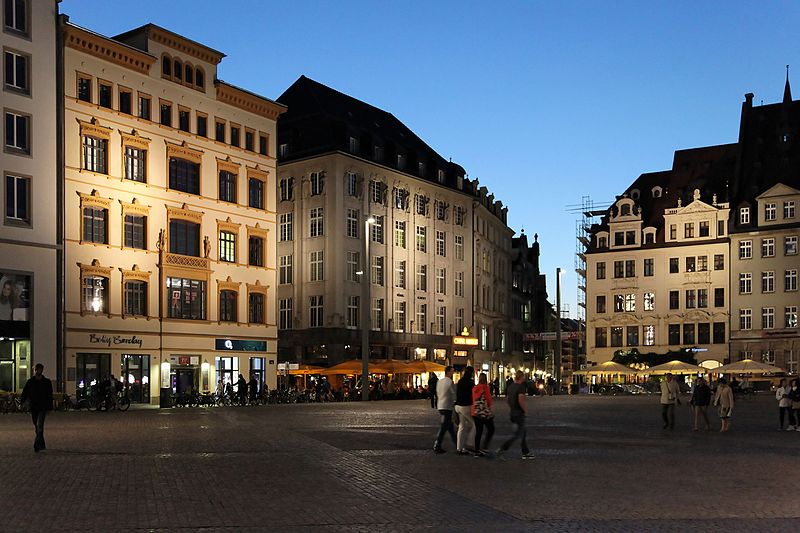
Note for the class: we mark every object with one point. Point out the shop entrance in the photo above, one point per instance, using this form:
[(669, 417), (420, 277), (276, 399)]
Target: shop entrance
[(91, 369), (14, 361), (135, 375), (184, 380)]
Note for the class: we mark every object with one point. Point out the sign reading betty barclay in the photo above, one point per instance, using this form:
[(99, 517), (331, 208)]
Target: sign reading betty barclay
[(115, 340)]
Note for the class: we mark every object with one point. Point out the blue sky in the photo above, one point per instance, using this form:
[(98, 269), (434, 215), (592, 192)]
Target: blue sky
[(543, 102)]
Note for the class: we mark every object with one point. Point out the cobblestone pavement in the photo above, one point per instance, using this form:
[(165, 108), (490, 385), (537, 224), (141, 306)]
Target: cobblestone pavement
[(602, 464)]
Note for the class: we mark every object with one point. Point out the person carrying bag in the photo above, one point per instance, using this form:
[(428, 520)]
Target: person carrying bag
[(482, 414)]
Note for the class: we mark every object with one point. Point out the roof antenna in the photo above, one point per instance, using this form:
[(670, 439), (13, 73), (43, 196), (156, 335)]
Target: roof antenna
[(787, 91)]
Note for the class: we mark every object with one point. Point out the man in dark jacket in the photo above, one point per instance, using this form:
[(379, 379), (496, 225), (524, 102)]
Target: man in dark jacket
[(39, 391), (433, 380), (242, 390)]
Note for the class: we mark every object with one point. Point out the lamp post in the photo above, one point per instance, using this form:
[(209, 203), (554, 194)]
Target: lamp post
[(557, 358), (365, 312)]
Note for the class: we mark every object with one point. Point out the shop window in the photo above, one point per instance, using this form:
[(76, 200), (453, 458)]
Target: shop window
[(227, 369), (135, 375), (90, 370)]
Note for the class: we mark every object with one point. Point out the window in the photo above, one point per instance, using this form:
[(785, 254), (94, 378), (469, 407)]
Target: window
[(441, 318), (768, 247), (691, 301), (315, 309), (630, 268), (285, 227), (458, 216), (619, 269), (184, 175), (352, 260), (166, 114), (183, 119), (422, 243), (285, 269), (790, 245), (630, 237), (317, 266), (648, 267), (421, 204), (400, 198), (135, 231), (688, 230), (376, 191), (632, 336), (255, 307), (377, 314), (745, 283), (673, 232), (600, 337), (674, 267), (720, 228), (352, 312), (441, 284), (630, 302), (18, 199), (187, 298), (144, 107), (704, 229), (352, 223), (84, 89), (649, 301), (649, 334), (16, 16), (184, 238), (17, 132), (460, 319), (351, 183), (788, 209), (376, 230), (459, 283), (399, 316), (440, 243), (317, 183), (235, 135), (688, 334), (421, 318), (227, 306), (745, 249), (690, 264), (400, 274), (177, 70), (745, 319), (16, 71), (616, 336), (601, 270), (377, 272), (719, 297), (399, 233), (768, 281), (287, 189), (790, 316), (219, 131), (135, 162), (619, 303), (702, 298), (770, 212), (227, 186), (767, 318), (719, 262), (458, 247), (285, 313), (202, 125), (199, 77), (283, 150), (95, 225), (95, 154), (135, 295), (674, 334), (317, 218), (719, 332), (227, 246), (95, 294), (744, 215), (249, 141), (619, 238), (601, 303), (674, 300), (422, 277), (790, 280), (255, 255), (104, 94), (441, 210), (255, 193), (702, 263)]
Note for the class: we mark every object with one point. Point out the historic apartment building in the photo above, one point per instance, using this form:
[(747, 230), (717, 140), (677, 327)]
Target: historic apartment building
[(170, 216), (342, 161), (29, 234), (658, 266)]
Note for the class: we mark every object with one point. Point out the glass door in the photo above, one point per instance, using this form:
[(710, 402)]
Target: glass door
[(136, 377)]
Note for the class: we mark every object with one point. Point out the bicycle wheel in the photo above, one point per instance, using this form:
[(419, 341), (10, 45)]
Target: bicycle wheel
[(83, 403), (124, 403)]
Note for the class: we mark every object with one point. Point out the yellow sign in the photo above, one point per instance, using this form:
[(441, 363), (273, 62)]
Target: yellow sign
[(465, 341)]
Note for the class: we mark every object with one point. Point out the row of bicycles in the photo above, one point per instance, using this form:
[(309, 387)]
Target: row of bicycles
[(11, 403), (266, 397)]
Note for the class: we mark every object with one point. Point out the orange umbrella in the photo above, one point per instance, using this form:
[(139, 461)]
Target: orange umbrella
[(418, 367), (306, 370), (390, 366), (352, 366)]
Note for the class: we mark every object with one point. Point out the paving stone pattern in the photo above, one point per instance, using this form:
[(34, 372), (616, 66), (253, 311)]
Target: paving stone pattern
[(602, 464)]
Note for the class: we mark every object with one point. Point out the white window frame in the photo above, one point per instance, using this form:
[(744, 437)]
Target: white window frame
[(316, 260)]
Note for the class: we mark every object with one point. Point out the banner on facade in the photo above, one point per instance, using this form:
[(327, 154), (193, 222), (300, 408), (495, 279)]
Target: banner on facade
[(551, 336)]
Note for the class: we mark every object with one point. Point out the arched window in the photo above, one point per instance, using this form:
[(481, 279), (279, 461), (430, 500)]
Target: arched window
[(166, 66), (178, 70), (188, 74), (625, 210), (198, 77)]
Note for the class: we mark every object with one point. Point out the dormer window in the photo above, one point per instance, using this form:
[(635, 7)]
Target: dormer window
[(770, 211), (744, 215), (602, 242), (656, 192), (625, 210), (635, 194), (649, 238), (630, 237), (440, 175), (619, 238)]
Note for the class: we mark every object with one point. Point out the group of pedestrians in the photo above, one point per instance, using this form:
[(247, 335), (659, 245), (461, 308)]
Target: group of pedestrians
[(473, 407), (702, 397), (788, 397)]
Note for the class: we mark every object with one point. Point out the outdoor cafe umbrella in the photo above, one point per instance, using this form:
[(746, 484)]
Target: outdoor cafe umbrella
[(610, 367), (389, 366), (748, 366), (306, 370), (418, 367), (352, 366), (673, 367)]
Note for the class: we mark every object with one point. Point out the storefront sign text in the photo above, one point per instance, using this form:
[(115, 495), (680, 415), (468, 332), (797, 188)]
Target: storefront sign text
[(115, 340)]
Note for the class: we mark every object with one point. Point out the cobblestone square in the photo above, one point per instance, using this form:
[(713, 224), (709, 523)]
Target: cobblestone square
[(602, 463)]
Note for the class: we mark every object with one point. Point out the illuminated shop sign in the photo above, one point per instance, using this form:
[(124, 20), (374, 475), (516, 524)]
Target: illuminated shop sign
[(231, 345)]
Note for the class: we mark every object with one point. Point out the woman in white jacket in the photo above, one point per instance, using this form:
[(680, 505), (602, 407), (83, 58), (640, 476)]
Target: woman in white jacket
[(785, 405)]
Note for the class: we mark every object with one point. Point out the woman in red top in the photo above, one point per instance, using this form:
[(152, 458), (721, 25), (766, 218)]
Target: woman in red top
[(482, 414)]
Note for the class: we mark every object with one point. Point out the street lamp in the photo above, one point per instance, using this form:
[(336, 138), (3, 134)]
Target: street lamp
[(557, 359), (365, 312)]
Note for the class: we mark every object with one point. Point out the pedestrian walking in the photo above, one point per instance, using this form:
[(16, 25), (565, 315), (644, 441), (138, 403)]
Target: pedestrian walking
[(784, 398), (38, 391), (518, 411), (794, 395), (252, 389), (723, 400), (432, 381), (242, 389), (701, 398), (482, 414), (220, 389), (466, 427), (445, 400), (669, 397)]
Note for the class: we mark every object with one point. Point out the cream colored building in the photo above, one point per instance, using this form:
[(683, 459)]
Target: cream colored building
[(29, 240), (170, 216), (659, 284), (764, 279)]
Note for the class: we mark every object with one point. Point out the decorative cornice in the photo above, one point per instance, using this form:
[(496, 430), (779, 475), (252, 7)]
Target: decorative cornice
[(257, 172), (93, 128), (258, 287), (228, 165), (134, 139), (228, 285), (257, 231), (185, 213), (95, 269), (228, 225), (135, 274), (184, 151), (105, 48), (134, 207), (187, 46), (242, 99), (94, 199)]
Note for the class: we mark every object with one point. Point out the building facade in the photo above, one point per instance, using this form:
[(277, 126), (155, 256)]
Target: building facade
[(170, 216), (29, 234), (342, 161)]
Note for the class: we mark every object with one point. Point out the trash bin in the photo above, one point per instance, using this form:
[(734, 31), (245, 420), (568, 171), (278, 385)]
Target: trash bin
[(165, 398)]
